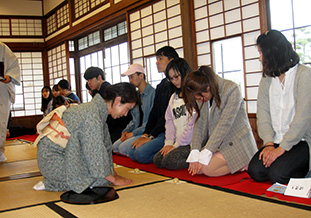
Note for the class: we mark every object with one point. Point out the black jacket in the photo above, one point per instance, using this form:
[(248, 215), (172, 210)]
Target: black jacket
[(156, 121)]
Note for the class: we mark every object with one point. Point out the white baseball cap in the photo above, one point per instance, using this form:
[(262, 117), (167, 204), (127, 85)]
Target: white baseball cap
[(133, 68)]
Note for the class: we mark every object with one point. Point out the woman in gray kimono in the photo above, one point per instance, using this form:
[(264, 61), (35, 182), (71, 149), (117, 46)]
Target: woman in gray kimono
[(222, 141), (86, 160)]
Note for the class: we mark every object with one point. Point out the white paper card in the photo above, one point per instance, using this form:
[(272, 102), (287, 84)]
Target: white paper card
[(299, 188)]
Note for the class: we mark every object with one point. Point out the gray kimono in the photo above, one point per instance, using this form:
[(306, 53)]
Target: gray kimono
[(87, 158)]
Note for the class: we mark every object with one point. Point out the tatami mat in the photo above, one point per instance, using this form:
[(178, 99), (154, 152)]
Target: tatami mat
[(19, 167), (13, 142), (139, 178), (20, 151), (19, 193), (41, 211), (150, 195), (181, 200)]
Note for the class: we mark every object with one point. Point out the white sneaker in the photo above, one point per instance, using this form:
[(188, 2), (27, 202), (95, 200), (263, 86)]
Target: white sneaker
[(39, 186), (2, 158)]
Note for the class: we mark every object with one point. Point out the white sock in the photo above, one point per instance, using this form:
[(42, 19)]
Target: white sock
[(39, 186), (2, 157)]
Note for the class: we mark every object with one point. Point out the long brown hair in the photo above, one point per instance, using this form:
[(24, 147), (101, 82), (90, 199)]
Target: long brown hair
[(197, 82)]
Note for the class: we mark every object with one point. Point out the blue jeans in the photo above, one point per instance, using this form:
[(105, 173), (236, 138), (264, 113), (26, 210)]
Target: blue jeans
[(146, 152), (124, 147)]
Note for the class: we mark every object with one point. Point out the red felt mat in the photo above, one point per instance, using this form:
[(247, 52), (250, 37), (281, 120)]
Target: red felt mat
[(30, 138), (182, 174), (239, 181)]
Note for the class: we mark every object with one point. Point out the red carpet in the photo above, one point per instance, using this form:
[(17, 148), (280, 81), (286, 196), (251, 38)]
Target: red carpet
[(29, 138), (238, 182), (181, 174)]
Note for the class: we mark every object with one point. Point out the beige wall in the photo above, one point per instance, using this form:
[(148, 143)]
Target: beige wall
[(49, 5), (25, 8)]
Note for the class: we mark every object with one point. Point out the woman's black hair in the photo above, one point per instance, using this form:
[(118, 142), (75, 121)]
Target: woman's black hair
[(125, 90), (45, 101), (181, 67), (58, 101), (55, 87), (278, 55)]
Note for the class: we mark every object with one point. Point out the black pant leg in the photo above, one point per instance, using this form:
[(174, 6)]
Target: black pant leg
[(292, 164), (256, 170)]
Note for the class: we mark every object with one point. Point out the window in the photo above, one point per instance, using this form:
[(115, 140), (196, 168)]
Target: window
[(28, 94), (26, 27), (228, 60), (57, 64), (151, 28), (89, 40), (51, 24), (110, 33), (224, 19), (96, 60), (116, 62), (112, 56), (62, 16), (294, 23), (82, 7), (4, 27), (83, 43), (72, 75), (153, 76), (94, 38), (115, 31), (58, 19), (71, 45)]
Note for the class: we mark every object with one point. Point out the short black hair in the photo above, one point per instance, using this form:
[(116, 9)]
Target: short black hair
[(92, 72), (167, 51), (64, 84)]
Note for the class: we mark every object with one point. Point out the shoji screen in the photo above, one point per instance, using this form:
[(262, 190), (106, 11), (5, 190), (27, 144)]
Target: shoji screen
[(220, 19), (57, 64), (28, 93), (153, 27), (58, 20)]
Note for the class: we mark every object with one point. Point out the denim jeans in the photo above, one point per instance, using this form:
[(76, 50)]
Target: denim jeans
[(124, 147), (146, 152)]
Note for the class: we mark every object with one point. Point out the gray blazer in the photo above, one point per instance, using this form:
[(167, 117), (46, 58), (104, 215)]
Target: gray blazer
[(300, 127), (227, 128)]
